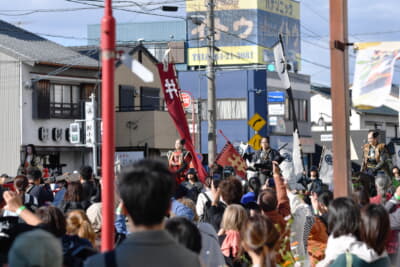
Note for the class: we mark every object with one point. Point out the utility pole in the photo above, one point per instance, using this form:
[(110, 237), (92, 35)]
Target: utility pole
[(108, 117), (340, 97), (211, 102)]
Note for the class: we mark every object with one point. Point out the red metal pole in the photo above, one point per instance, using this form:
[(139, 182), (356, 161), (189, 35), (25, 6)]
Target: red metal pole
[(108, 145)]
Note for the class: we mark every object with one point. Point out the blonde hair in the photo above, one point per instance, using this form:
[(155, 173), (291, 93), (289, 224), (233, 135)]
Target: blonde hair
[(79, 224), (234, 217)]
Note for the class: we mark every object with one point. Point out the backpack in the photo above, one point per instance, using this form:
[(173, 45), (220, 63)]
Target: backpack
[(204, 217)]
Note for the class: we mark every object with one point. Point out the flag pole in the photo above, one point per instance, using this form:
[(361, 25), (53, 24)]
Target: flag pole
[(291, 102)]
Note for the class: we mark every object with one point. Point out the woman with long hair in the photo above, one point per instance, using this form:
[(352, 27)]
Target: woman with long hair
[(78, 224), (260, 240), (235, 216), (30, 202), (73, 198)]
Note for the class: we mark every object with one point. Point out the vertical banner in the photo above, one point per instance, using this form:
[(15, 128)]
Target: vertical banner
[(281, 65), (326, 167), (296, 155), (373, 75), (172, 97)]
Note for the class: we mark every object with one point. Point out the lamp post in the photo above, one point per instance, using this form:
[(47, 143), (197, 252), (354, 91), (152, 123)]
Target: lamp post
[(108, 117)]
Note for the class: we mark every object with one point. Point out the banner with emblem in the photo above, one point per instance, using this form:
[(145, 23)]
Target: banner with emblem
[(326, 166), (172, 98), (230, 157), (287, 166)]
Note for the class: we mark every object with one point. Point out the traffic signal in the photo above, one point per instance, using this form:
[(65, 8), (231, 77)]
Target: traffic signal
[(75, 133), (271, 67)]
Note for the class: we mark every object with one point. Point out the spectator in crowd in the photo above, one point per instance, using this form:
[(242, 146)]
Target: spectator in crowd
[(260, 240), (254, 186), (146, 189), (396, 178), (30, 202), (41, 191), (344, 227), (235, 216), (203, 198), (312, 183), (374, 232), (231, 191), (392, 207), (88, 185), (75, 248), (318, 236), (360, 195), (4, 178), (275, 205), (210, 254), (37, 248), (79, 224), (185, 233), (74, 198), (95, 217), (382, 185)]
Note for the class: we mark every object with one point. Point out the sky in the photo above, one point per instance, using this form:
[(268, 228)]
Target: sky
[(65, 22)]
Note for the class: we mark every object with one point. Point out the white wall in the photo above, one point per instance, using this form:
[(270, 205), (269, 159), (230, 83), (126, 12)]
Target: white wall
[(10, 133)]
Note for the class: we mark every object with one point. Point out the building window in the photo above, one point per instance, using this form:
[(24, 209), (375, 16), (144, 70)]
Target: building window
[(126, 98), (301, 108), (64, 101), (227, 109), (150, 98)]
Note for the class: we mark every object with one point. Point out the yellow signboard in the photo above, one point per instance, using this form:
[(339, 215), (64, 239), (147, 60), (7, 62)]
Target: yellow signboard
[(228, 55), (256, 122), (287, 8), (255, 142)]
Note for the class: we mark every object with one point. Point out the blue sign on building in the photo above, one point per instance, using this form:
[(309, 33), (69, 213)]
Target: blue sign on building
[(276, 97)]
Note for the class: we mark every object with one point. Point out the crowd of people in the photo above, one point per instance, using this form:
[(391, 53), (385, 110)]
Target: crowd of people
[(223, 221)]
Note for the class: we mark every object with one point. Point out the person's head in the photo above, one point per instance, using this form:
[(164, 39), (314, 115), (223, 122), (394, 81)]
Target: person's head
[(343, 217), (373, 137), (234, 217), (259, 236), (3, 178), (34, 175), (325, 198), (191, 205), (255, 185), (267, 200), (54, 220), (30, 150), (185, 233), (375, 227), (74, 192), (313, 172), (381, 184), (37, 248), (179, 144), (191, 175), (264, 143), (95, 216), (86, 173), (79, 224), (231, 190), (146, 189), (360, 196), (396, 171), (21, 183)]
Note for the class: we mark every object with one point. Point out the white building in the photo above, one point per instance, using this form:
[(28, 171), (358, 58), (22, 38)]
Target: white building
[(43, 87)]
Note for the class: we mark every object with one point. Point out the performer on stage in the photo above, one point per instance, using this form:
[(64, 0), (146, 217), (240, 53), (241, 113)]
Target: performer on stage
[(179, 161), (375, 156), (263, 158)]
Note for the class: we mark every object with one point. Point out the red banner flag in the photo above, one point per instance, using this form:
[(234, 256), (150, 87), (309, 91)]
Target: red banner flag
[(173, 100), (230, 157)]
